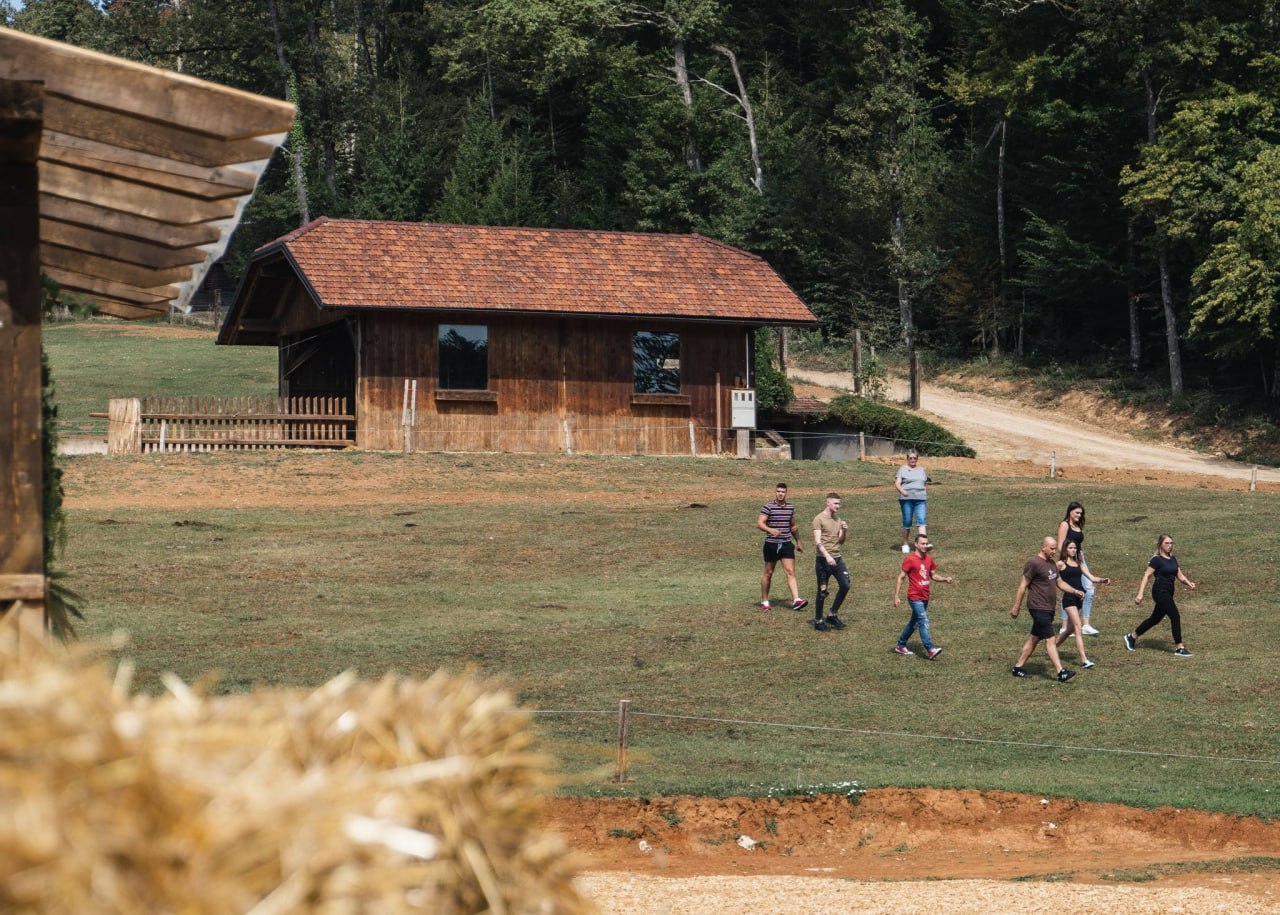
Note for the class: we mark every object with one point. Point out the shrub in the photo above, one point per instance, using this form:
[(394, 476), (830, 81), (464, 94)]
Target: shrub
[(863, 415)]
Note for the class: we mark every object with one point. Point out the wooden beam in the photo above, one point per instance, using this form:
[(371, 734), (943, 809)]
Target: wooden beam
[(121, 194), (22, 587), (164, 234), (118, 247), (161, 179), (145, 135), (110, 269), (55, 144), (160, 95), (21, 422), (78, 282), (127, 310)]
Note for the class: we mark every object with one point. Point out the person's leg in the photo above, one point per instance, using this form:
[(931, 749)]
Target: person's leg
[(1086, 606), (1052, 651), (1073, 627), (789, 569), (920, 615), (823, 573), (767, 578), (1027, 648), (1175, 619), (922, 515), (908, 629), (842, 586), (907, 512), (1157, 614)]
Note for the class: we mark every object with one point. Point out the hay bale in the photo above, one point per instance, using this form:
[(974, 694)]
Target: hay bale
[(358, 797)]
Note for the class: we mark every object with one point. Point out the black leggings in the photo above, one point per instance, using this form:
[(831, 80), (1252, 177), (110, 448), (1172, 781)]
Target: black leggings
[(1164, 607)]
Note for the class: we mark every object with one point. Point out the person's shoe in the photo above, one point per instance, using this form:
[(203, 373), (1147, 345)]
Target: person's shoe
[(1130, 642), (933, 653), (820, 626), (906, 549), (902, 650), (1181, 652), (1064, 675), (1062, 633), (1020, 672), (765, 605), (1089, 630), (799, 603), (1087, 664), (834, 622)]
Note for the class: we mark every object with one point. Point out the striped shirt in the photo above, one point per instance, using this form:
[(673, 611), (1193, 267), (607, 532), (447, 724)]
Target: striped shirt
[(780, 517)]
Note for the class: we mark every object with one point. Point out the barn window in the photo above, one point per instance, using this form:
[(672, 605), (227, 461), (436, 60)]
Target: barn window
[(657, 362), (464, 356)]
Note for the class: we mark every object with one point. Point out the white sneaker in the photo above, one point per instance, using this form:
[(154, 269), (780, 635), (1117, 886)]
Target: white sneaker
[(1089, 630), (906, 549)]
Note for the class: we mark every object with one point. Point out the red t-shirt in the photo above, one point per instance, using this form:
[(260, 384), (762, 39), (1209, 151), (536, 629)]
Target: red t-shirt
[(919, 573)]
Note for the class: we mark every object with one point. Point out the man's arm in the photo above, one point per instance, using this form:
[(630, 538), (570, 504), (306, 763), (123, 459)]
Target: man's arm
[(1067, 589), (897, 589), (762, 523), (1017, 598)]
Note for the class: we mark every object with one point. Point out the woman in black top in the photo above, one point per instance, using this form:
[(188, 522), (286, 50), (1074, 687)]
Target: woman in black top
[(1075, 573), (1164, 567), (1071, 529)]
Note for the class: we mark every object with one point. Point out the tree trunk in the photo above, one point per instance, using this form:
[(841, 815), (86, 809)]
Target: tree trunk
[(1131, 290), (329, 166), (1162, 248), (997, 304), (680, 67), (898, 235), (296, 138), (748, 115)]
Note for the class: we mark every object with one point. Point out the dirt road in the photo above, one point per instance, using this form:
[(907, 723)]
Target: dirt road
[(1003, 430)]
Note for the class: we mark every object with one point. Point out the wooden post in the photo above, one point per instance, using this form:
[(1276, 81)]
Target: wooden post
[(862, 446), (406, 445), (693, 441), (744, 443), (915, 379), (1253, 479), (783, 346), (21, 420), (719, 415), (124, 425), (1053, 465), (624, 728), (857, 361)]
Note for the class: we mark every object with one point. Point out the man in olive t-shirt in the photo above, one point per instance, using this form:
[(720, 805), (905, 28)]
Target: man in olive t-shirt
[(1041, 584)]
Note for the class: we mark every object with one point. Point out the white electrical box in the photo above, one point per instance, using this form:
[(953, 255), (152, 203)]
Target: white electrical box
[(744, 408)]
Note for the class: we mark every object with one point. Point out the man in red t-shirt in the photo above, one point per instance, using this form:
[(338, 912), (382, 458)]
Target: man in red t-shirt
[(918, 571)]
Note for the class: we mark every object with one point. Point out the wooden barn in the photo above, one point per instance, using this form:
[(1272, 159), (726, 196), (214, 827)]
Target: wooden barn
[(479, 338)]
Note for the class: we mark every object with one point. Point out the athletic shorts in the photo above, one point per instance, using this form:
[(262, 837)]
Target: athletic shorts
[(775, 551), (1042, 624)]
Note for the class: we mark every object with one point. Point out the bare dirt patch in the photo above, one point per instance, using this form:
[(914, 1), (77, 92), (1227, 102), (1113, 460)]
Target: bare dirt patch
[(1086, 856)]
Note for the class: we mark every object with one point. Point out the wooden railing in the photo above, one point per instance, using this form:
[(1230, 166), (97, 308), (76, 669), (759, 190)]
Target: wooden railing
[(152, 425)]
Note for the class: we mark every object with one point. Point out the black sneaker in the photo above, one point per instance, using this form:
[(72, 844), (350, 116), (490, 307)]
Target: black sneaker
[(820, 626), (1064, 675), (1181, 653), (1019, 672), (834, 622), (1130, 642)]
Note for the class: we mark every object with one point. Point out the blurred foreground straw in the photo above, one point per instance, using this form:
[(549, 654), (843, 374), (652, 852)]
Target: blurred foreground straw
[(358, 797)]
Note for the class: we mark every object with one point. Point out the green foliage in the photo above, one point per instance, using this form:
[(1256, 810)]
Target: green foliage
[(907, 429), (773, 390)]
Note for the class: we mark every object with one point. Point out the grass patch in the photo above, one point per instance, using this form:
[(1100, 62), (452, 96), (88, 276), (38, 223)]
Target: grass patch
[(94, 361), (602, 585), (1249, 865)]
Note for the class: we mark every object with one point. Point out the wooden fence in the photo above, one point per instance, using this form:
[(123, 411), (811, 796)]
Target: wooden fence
[(152, 425)]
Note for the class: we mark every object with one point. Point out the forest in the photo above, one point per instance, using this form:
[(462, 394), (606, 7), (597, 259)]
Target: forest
[(1054, 182)]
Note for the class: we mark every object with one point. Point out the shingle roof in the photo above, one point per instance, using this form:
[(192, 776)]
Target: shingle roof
[(356, 264)]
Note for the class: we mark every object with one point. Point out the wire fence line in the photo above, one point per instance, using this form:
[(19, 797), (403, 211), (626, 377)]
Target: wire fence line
[(911, 735)]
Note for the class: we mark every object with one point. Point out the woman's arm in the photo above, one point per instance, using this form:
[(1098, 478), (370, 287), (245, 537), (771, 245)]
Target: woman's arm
[(1186, 581), (897, 484), (1062, 538), (1142, 586)]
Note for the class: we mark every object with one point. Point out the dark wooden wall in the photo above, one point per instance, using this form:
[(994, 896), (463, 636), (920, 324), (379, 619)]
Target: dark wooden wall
[(545, 374), (21, 451)]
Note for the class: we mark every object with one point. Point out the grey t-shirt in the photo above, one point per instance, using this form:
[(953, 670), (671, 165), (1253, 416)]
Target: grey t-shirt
[(913, 481)]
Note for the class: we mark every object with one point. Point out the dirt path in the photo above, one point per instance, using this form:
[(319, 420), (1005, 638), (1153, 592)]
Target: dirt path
[(1004, 430)]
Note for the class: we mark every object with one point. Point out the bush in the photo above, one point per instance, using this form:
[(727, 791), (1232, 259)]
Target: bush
[(773, 390), (862, 415)]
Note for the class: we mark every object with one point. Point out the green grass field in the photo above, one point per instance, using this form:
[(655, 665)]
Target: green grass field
[(580, 581)]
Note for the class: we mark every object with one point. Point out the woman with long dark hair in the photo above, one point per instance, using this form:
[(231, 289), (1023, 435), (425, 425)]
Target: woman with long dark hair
[(1164, 566), (1075, 574), (1071, 530)]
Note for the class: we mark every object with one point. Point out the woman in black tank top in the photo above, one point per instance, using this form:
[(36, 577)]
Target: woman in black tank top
[(1075, 574), (1071, 530)]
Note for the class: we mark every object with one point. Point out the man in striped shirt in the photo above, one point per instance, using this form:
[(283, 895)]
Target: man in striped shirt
[(778, 521)]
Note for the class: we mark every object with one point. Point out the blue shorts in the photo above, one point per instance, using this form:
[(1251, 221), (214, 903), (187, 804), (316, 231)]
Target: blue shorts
[(914, 509)]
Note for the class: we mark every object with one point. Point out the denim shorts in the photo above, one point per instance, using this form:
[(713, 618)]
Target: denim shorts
[(914, 508)]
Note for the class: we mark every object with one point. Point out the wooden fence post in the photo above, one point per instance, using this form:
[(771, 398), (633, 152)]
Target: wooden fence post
[(124, 425), (624, 729), (21, 418), (915, 379)]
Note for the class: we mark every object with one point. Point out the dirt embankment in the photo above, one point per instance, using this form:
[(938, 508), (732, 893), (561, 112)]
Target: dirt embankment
[(1004, 851)]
